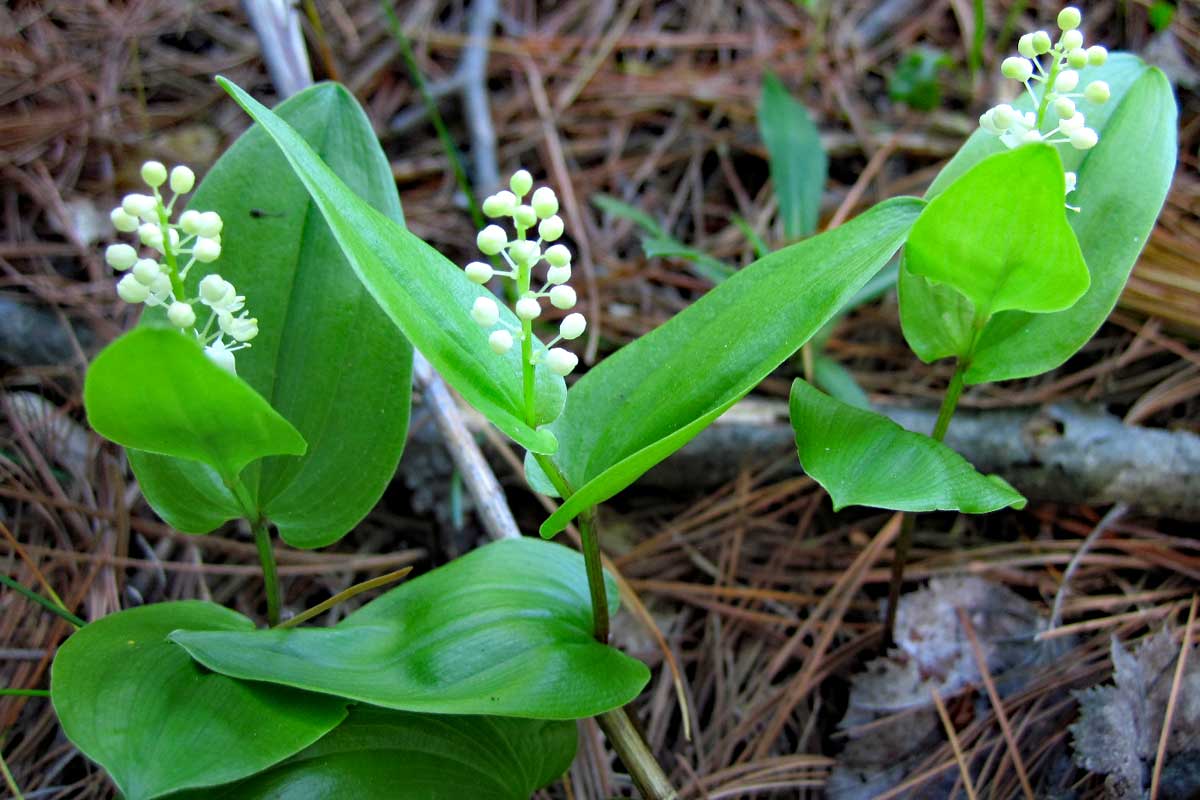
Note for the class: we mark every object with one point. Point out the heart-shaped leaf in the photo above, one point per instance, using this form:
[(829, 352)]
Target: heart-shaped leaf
[(999, 235), (651, 397), (1123, 182), (424, 294), (327, 358), (864, 459), (506, 629), (154, 389), (158, 722), (799, 166), (378, 754)]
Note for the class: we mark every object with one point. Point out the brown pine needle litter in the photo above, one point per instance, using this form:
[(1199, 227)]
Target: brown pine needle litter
[(756, 607)]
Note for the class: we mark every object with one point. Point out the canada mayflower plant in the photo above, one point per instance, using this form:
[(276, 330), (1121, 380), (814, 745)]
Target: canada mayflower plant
[(158, 280), (522, 255), (1059, 80)]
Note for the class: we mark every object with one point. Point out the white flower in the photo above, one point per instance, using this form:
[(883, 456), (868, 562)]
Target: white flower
[(557, 275), (558, 255), (485, 312), (1069, 18), (1071, 179), (561, 362), (181, 314), (150, 235), (501, 342), (1077, 58), (120, 256), (146, 271), (551, 228), (521, 182), (160, 290), (182, 179), (1097, 55), (491, 240), (219, 295), (131, 290), (242, 328), (1042, 43), (209, 224), (1097, 92), (528, 308), (190, 222), (525, 217), (1064, 107), (572, 326), (206, 250), (479, 272), (1083, 138), (220, 354), (1071, 40), (1066, 81), (525, 252), (123, 221), (500, 204), (1026, 47), (562, 297), (1072, 123), (154, 173), (140, 205), (1017, 68), (544, 202)]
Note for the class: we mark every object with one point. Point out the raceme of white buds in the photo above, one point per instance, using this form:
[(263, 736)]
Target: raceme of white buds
[(522, 255), (1059, 78), (158, 280)]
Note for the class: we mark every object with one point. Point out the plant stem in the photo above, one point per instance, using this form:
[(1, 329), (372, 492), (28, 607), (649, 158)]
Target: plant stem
[(342, 596), (164, 224), (949, 401), (648, 776), (24, 692), (49, 605), (9, 780), (262, 539), (595, 574)]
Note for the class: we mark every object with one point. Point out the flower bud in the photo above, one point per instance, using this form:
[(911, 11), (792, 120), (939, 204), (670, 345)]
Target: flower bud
[(485, 312), (1071, 40), (1097, 55), (1072, 123), (500, 341), (545, 202), (189, 221), (491, 240), (150, 235), (1077, 58), (120, 256), (500, 204), (1097, 92), (1025, 46), (131, 291), (1003, 116), (563, 297), (479, 272), (214, 289), (551, 228), (140, 205), (529, 308), (1066, 81), (154, 173), (525, 252), (1070, 180), (160, 289), (558, 275), (123, 221), (525, 217), (181, 315), (558, 255), (146, 271), (573, 326), (206, 250), (182, 179), (1042, 42), (1031, 136), (561, 362), (1069, 18), (209, 224), (521, 182), (986, 122), (1083, 138), (1017, 68), (1064, 107)]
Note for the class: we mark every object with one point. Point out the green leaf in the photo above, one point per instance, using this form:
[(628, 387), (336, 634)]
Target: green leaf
[(618, 208), (917, 80), (999, 235), (799, 166), (425, 295), (862, 458), (154, 389), (327, 358), (1123, 182), (835, 379), (628, 413), (506, 629), (377, 754), (141, 708), (659, 244)]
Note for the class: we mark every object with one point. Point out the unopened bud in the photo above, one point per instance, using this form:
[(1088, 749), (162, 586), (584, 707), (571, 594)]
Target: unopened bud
[(558, 255), (1069, 18), (479, 272), (500, 342), (1017, 68), (1097, 92), (181, 315), (154, 173), (491, 240), (573, 326), (146, 271), (120, 256), (561, 362), (131, 291), (207, 250), (485, 312), (521, 182), (182, 179), (1083, 139), (551, 228), (528, 308), (563, 297)]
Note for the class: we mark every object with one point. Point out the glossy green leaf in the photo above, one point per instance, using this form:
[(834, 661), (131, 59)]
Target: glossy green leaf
[(327, 358), (506, 630), (154, 389), (651, 397), (158, 722), (425, 295), (378, 754), (864, 459), (1123, 182), (799, 166), (999, 235)]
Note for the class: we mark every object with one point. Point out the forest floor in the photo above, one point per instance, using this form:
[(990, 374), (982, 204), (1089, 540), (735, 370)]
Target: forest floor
[(765, 647)]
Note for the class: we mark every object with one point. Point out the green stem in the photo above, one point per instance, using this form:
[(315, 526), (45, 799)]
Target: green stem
[(262, 539), (49, 605), (648, 776), (1047, 88), (24, 692), (342, 596), (949, 401), (9, 780), (164, 224)]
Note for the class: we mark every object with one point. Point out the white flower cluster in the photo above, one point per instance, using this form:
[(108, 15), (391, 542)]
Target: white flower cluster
[(1060, 81), (154, 282), (522, 255)]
